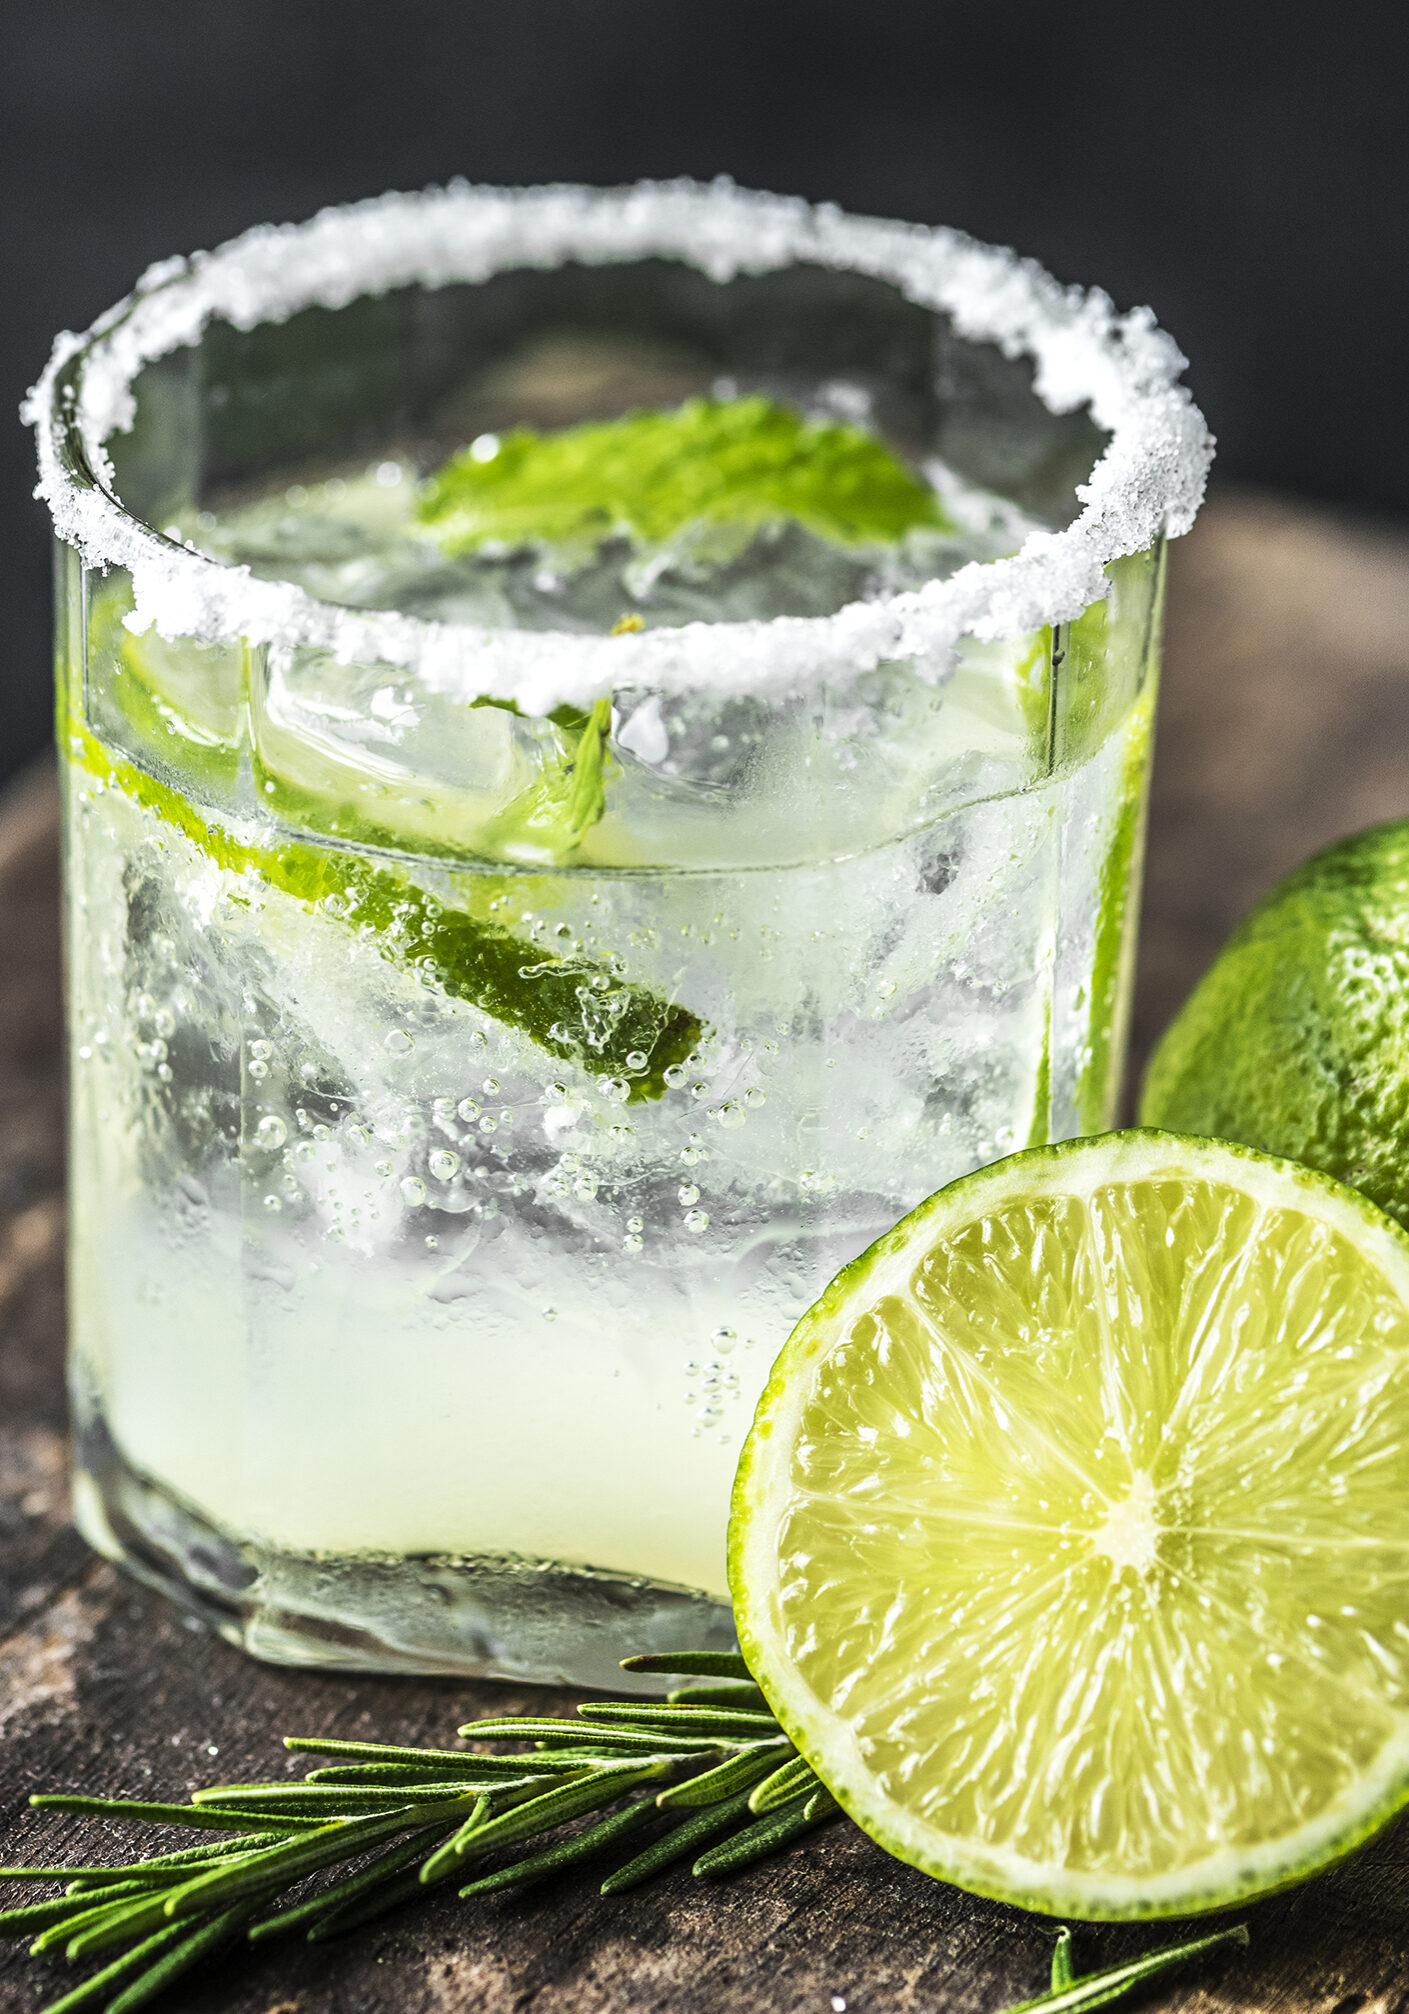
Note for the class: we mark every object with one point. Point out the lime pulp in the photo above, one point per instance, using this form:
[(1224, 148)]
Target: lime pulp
[(1068, 1543)]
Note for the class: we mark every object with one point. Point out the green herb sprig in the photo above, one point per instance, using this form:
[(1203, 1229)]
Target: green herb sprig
[(706, 1777)]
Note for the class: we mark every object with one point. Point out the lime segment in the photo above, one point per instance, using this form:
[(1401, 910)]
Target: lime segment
[(1069, 1543)]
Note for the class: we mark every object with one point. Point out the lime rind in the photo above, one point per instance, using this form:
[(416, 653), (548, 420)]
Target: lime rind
[(1295, 1039), (1212, 1881), (571, 1008)]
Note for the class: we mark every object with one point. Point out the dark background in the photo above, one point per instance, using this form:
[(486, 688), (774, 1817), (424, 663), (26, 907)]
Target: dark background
[(1241, 166)]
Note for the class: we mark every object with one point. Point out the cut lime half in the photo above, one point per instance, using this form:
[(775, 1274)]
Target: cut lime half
[(1071, 1540)]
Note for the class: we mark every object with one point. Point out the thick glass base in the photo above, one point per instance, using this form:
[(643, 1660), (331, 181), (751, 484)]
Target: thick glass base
[(518, 1619)]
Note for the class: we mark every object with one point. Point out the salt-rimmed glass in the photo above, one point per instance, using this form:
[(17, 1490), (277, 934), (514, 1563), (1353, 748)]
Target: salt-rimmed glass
[(441, 1197)]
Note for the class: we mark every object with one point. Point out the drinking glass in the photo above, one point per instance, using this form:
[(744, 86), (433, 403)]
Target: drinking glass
[(493, 1022)]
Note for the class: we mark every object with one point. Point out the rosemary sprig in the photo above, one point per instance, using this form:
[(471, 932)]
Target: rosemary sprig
[(708, 1777), (376, 1824)]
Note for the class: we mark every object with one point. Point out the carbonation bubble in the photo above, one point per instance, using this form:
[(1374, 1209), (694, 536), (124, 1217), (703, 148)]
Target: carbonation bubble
[(689, 1193), (636, 1059), (261, 1051), (731, 1116), (675, 1075), (476, 1040), (399, 1042), (271, 1131), (443, 1164), (696, 1221), (754, 1097), (468, 1109), (491, 1086), (414, 1190), (725, 1340), (259, 1069)]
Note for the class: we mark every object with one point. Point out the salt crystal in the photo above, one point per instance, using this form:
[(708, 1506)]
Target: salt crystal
[(1149, 479)]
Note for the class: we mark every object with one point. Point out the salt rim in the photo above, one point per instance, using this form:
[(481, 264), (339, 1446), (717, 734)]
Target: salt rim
[(1150, 477)]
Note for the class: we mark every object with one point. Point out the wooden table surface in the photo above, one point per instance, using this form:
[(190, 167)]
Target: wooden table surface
[(1285, 722)]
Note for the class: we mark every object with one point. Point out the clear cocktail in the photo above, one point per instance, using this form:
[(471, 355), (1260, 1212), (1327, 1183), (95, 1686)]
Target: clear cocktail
[(525, 939)]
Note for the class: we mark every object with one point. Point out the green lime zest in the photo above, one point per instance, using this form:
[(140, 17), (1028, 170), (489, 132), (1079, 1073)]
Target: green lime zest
[(740, 462), (572, 1008)]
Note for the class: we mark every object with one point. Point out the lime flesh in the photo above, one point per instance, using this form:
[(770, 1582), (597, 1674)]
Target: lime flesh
[(1069, 1543)]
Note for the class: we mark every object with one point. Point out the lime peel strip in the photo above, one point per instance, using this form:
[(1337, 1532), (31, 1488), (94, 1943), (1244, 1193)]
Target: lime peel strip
[(472, 960)]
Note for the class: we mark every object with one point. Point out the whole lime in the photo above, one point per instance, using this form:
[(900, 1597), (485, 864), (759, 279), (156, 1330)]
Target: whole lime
[(1297, 1038)]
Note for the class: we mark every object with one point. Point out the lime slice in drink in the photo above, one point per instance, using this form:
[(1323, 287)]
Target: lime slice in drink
[(1069, 1543)]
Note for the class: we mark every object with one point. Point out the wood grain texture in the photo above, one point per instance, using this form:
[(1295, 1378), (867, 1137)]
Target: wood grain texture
[(1285, 722)]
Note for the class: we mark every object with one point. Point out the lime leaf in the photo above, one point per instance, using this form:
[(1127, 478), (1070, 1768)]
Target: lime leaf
[(739, 462), (1068, 1544)]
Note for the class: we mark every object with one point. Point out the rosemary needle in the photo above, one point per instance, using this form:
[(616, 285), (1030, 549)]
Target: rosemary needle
[(785, 1783), (679, 1843), (736, 1772), (765, 1837), (97, 1988), (696, 1663), (348, 1890), (583, 1845), (1078, 1996)]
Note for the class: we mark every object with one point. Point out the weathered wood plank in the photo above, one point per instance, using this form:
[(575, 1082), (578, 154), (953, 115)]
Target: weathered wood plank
[(1285, 722)]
